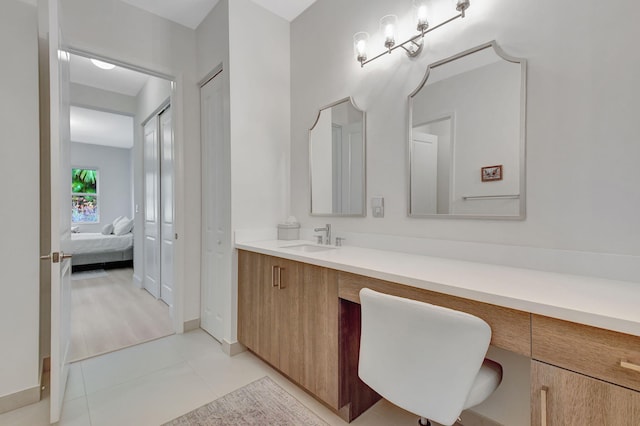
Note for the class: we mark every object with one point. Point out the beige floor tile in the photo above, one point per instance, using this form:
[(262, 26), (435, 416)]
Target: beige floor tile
[(150, 400), (130, 363)]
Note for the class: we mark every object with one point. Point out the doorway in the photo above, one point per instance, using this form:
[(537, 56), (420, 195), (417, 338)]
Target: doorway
[(112, 307)]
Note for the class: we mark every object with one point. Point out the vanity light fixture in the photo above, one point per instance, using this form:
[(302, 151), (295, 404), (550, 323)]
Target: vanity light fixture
[(388, 27), (102, 65)]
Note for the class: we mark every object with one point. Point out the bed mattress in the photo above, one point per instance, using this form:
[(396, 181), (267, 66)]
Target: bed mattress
[(85, 243)]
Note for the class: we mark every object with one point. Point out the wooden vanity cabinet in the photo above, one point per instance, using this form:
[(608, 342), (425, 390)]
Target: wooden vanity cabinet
[(561, 397), (582, 375), (288, 315)]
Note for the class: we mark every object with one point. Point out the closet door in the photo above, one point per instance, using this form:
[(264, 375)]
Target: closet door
[(216, 217), (166, 208), (151, 209)]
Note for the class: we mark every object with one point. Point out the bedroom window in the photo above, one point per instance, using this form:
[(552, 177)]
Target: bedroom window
[(84, 196)]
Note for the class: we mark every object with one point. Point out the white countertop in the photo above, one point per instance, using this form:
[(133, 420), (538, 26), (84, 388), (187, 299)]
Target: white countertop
[(608, 304)]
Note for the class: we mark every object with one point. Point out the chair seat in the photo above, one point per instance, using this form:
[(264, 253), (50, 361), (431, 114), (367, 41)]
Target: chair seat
[(487, 381)]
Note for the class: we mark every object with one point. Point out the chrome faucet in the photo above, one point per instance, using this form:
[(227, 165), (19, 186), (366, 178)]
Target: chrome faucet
[(327, 229)]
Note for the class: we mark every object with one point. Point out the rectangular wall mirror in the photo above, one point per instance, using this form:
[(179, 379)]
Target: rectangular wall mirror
[(467, 137), (337, 160)]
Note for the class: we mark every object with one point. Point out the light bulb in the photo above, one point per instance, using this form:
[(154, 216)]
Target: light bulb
[(360, 42), (421, 12), (388, 26), (103, 65)]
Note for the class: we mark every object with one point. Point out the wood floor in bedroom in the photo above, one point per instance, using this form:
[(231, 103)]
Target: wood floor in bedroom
[(109, 313)]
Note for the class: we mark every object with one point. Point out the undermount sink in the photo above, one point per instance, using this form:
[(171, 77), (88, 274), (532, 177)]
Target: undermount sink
[(309, 248)]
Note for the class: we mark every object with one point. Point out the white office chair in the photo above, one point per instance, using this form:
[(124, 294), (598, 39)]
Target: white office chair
[(426, 359)]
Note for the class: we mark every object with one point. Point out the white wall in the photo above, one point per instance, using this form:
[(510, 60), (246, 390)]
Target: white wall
[(119, 31), (103, 100), (114, 180), (260, 115), (19, 210), (582, 153)]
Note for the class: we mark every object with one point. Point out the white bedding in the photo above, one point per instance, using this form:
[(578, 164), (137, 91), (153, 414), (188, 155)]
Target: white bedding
[(87, 242)]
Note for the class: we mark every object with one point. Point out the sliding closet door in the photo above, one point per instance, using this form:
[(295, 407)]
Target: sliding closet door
[(166, 208), (151, 280)]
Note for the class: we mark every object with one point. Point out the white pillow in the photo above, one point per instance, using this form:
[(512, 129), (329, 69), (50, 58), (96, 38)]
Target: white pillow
[(117, 219), (107, 229), (123, 227)]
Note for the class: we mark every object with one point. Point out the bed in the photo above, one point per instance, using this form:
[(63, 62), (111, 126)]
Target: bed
[(96, 250)]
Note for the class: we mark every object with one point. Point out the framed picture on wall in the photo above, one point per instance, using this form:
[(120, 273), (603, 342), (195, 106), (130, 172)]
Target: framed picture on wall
[(491, 173)]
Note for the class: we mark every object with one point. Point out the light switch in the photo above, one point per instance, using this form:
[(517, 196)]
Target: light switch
[(377, 206)]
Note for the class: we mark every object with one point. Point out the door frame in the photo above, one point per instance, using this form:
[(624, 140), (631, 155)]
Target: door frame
[(175, 100)]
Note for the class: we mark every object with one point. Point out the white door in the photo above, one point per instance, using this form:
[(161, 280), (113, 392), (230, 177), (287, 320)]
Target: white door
[(60, 181), (216, 242), (151, 281), (424, 173), (166, 208), (352, 169)]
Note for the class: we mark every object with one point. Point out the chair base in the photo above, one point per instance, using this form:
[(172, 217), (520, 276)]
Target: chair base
[(423, 421)]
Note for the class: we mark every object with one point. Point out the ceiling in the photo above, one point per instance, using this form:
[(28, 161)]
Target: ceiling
[(119, 80), (101, 128), (190, 13)]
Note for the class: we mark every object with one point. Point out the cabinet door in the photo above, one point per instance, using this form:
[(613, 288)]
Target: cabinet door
[(319, 321), (290, 310), (257, 305), (562, 398)]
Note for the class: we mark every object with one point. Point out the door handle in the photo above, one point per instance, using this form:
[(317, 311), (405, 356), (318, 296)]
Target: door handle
[(56, 257)]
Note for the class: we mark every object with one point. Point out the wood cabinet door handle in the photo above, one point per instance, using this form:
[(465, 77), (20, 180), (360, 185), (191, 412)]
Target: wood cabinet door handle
[(543, 405), (274, 275), (280, 283), (630, 366)]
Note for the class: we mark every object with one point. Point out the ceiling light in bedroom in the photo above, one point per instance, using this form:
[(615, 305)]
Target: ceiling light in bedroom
[(103, 65)]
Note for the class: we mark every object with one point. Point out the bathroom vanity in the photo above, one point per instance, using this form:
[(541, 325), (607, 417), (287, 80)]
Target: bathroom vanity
[(298, 309)]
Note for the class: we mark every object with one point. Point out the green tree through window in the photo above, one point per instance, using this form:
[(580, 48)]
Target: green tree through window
[(84, 196)]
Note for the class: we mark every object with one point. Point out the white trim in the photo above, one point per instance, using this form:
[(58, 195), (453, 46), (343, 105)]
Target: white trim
[(19, 399), (232, 348)]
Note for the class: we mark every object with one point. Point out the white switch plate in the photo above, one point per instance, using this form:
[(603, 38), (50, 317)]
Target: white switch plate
[(377, 206)]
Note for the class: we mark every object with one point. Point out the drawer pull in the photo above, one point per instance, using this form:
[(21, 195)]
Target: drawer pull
[(274, 275), (543, 406), (280, 284), (630, 366)]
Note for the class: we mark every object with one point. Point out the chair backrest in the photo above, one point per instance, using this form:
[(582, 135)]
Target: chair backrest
[(421, 357)]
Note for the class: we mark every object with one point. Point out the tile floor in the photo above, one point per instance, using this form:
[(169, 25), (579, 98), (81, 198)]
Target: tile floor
[(157, 381)]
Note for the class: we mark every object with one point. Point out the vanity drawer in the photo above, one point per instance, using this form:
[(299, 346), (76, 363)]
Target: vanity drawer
[(588, 350), (510, 329)]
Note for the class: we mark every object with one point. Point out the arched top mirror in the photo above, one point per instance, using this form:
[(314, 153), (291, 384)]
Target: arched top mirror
[(467, 137), (337, 160)]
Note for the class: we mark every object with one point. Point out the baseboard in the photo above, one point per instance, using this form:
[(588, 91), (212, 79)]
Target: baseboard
[(191, 325), (471, 418), (20, 399), (232, 348), (137, 281)]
